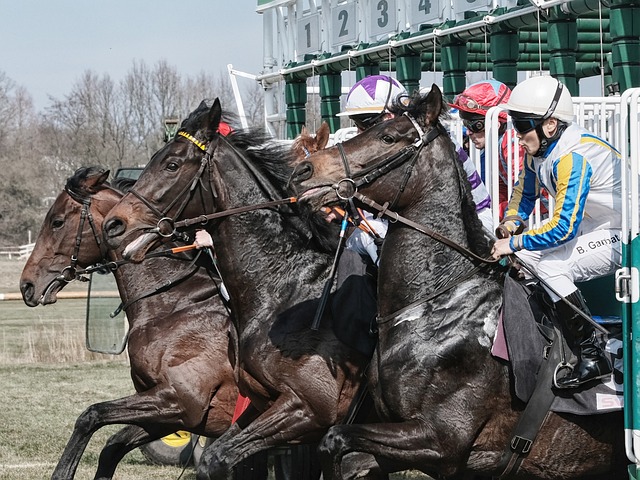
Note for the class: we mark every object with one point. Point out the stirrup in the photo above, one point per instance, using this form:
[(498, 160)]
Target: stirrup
[(561, 366)]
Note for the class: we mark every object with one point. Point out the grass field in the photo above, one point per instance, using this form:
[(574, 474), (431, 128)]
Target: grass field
[(48, 377)]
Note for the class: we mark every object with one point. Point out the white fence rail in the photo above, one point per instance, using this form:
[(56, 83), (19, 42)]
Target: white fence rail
[(20, 252), (600, 115)]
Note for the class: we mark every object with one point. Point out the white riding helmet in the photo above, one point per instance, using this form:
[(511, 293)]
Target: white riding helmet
[(372, 94), (541, 97)]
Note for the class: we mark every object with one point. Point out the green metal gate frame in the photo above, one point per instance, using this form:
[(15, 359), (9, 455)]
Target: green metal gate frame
[(628, 278)]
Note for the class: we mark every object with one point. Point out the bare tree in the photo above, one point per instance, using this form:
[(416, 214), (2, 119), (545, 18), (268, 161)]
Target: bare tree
[(21, 182), (99, 122)]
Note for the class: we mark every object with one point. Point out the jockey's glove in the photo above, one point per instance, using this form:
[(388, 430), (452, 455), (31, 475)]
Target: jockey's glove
[(510, 225)]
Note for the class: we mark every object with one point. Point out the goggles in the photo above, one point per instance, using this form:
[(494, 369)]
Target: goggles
[(365, 122), (525, 125), (467, 102), (474, 126)]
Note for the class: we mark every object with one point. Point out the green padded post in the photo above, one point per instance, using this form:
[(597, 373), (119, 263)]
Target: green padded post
[(625, 49), (295, 94), (408, 70), (504, 47), (562, 43), (454, 67), (330, 89), (363, 71)]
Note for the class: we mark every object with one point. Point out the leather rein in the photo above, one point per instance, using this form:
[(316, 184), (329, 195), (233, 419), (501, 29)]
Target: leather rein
[(407, 154), (167, 226)]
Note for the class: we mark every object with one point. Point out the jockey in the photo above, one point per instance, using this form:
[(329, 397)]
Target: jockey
[(473, 104), (582, 239), (367, 105)]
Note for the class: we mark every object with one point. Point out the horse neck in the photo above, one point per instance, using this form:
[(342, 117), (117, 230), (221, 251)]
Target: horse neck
[(141, 281), (412, 262), (264, 256), (138, 280)]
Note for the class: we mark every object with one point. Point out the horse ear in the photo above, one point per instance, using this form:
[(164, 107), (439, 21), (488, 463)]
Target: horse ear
[(95, 180), (322, 136), (434, 105), (213, 119), (304, 132)]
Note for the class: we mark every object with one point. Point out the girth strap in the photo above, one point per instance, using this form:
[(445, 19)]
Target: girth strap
[(534, 414)]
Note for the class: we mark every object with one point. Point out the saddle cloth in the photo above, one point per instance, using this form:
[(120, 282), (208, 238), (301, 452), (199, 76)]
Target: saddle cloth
[(521, 339)]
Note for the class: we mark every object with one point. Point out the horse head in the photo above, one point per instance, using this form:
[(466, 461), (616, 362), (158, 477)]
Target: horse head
[(70, 236), (198, 172), (385, 156), (305, 144), (166, 186)]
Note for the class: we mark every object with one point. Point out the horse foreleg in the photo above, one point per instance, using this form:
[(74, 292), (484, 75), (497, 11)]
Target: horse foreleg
[(395, 446), (285, 421), (138, 409), (121, 443)]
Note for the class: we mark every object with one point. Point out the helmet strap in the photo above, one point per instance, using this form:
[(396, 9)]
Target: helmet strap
[(386, 102), (554, 101), (546, 142)]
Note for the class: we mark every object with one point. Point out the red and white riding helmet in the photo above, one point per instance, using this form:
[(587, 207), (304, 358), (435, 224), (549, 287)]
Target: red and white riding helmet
[(481, 96)]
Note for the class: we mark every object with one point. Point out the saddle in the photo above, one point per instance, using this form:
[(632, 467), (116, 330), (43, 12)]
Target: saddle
[(531, 342), (529, 338), (528, 326)]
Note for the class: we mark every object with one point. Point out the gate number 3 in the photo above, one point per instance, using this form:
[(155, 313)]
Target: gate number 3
[(383, 8)]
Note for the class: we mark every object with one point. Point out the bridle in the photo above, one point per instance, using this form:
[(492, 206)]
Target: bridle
[(167, 225), (70, 272), (185, 194), (408, 154)]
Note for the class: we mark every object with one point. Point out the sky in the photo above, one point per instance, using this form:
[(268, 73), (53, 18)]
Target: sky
[(46, 45)]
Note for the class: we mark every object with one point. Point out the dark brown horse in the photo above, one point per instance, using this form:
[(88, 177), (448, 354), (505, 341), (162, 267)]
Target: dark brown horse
[(300, 381), (447, 403), (178, 330)]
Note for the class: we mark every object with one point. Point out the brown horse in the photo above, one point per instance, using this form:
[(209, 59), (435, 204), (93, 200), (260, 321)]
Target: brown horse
[(305, 144), (300, 381), (179, 330), (447, 404)]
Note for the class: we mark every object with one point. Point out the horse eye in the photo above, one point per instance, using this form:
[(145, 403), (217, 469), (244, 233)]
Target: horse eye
[(57, 224), (388, 139), (172, 167)]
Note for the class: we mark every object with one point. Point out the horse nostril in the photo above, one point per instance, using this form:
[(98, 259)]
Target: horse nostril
[(303, 171), (27, 289), (114, 227)]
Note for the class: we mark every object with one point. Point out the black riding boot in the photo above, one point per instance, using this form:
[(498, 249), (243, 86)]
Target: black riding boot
[(592, 361)]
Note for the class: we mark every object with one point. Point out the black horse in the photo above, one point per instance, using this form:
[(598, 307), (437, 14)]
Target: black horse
[(447, 404), (300, 381)]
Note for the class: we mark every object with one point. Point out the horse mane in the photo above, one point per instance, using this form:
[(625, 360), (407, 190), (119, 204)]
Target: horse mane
[(478, 241), (195, 121), (123, 184), (416, 105), (275, 161)]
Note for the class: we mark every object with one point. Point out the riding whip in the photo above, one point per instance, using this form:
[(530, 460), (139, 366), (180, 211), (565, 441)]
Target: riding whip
[(332, 275)]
